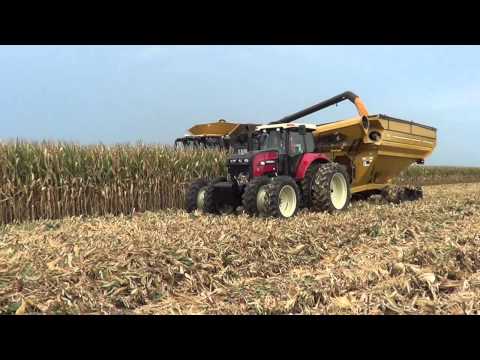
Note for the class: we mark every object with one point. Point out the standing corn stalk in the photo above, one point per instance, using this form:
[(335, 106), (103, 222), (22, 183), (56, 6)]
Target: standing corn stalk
[(52, 180)]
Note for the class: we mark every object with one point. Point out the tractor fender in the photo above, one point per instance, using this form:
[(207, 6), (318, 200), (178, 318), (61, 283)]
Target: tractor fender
[(307, 160)]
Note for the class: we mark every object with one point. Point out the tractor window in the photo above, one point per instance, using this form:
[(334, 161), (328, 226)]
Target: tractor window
[(310, 142), (297, 145), (272, 140)]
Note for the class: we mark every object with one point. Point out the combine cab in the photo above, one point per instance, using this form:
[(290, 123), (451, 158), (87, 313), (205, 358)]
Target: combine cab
[(220, 135), (319, 167)]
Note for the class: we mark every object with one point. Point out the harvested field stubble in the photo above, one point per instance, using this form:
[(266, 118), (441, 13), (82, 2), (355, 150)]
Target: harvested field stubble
[(414, 258)]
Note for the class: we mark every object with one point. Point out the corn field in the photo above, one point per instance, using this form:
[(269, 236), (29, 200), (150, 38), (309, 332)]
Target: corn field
[(55, 180), (438, 175), (49, 180)]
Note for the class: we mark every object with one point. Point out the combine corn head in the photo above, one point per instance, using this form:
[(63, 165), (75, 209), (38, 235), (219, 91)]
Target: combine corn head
[(319, 167), (219, 135)]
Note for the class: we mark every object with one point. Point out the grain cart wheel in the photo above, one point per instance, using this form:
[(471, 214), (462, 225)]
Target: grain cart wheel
[(209, 200), (331, 188), (306, 185), (398, 194), (195, 198), (413, 193), (282, 198), (254, 195), (364, 195)]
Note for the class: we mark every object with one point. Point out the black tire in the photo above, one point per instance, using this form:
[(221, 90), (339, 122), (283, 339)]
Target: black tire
[(218, 179), (364, 195), (306, 185), (272, 203), (398, 194), (192, 192), (249, 196), (321, 194), (210, 205), (413, 193)]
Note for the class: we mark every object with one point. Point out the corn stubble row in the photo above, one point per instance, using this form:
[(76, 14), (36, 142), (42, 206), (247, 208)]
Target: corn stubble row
[(53, 180)]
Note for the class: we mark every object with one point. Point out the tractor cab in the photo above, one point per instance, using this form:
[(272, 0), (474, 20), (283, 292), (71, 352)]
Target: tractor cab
[(274, 150), (291, 141)]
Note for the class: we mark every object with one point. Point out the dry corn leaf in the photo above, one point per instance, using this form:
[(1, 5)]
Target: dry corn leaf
[(398, 268), (297, 249), (342, 302), (22, 309), (427, 277)]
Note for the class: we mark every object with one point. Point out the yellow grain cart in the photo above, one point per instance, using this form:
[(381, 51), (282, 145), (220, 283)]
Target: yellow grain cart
[(375, 148)]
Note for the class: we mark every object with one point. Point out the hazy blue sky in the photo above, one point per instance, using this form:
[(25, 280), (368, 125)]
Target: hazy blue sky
[(114, 94)]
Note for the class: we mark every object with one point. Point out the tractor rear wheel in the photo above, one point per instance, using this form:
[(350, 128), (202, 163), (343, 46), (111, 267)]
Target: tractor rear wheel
[(254, 194), (195, 198), (331, 188), (306, 185), (282, 198)]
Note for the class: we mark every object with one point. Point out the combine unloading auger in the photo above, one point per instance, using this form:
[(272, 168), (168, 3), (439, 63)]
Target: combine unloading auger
[(347, 95)]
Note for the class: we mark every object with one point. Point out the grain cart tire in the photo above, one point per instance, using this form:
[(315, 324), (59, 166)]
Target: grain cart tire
[(331, 189), (306, 185), (282, 198), (254, 193), (195, 198), (413, 193), (391, 194), (364, 195), (398, 194), (210, 205)]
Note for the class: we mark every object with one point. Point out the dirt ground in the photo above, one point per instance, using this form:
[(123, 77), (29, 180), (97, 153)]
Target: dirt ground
[(418, 257)]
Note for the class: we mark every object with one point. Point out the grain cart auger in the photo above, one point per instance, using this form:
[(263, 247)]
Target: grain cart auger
[(318, 167), (219, 135)]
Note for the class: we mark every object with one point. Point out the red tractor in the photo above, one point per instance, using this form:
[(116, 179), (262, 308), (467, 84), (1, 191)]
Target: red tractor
[(282, 172)]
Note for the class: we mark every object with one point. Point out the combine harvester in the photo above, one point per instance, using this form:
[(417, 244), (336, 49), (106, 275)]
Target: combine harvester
[(219, 135), (318, 167)]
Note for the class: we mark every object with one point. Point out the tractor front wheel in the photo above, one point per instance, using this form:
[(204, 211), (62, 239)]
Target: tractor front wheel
[(195, 198), (282, 198), (331, 188), (253, 196)]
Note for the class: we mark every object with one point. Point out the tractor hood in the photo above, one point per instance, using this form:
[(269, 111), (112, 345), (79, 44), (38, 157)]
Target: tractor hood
[(247, 158)]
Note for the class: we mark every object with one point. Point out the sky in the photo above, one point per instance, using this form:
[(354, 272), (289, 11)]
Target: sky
[(121, 94)]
